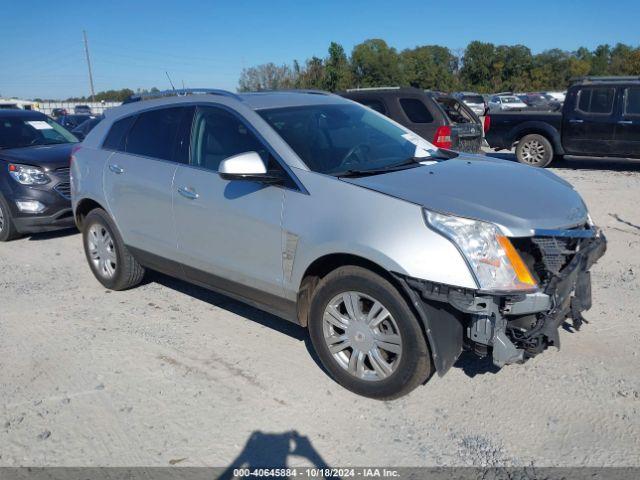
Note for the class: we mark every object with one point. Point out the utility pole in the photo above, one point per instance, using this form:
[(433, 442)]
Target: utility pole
[(86, 51)]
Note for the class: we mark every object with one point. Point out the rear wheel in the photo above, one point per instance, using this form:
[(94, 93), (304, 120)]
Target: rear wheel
[(366, 335), (534, 150), (109, 259), (8, 229)]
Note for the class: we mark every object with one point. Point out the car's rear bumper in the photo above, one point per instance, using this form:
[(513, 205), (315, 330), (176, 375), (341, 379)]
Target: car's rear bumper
[(512, 326)]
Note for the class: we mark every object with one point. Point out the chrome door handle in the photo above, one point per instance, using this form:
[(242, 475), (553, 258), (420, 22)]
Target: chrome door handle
[(576, 120), (626, 122), (188, 193), (116, 169)]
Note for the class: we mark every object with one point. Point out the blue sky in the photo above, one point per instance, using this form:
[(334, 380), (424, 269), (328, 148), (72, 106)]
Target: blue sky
[(207, 43)]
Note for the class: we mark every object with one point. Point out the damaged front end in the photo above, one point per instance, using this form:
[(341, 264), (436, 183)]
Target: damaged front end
[(512, 327)]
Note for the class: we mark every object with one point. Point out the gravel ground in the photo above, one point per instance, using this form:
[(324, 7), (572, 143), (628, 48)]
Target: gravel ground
[(171, 374)]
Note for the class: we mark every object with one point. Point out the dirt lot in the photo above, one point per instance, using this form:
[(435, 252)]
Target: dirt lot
[(173, 374)]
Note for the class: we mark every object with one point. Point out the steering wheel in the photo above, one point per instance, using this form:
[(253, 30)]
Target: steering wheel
[(353, 151)]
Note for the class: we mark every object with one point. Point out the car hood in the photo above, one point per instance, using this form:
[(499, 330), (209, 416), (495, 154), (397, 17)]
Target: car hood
[(48, 157), (516, 197)]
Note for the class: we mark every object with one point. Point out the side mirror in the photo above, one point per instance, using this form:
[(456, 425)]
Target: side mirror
[(247, 166)]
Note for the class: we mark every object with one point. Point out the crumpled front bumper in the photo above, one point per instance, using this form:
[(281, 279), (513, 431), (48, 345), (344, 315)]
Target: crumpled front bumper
[(510, 327)]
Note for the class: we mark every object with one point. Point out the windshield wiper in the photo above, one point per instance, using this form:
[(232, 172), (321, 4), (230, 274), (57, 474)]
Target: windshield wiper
[(403, 165)]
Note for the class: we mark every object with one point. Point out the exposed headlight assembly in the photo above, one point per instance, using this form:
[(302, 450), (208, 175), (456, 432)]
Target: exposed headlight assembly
[(494, 261), (28, 175)]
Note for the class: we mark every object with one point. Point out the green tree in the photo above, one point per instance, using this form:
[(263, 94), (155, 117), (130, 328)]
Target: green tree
[(429, 67), (477, 72), (375, 64), (337, 71)]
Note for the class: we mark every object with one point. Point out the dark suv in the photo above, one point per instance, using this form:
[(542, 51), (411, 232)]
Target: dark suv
[(34, 174), (442, 120)]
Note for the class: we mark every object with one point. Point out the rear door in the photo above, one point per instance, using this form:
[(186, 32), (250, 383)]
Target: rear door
[(138, 178), (589, 129), (229, 232), (628, 126)]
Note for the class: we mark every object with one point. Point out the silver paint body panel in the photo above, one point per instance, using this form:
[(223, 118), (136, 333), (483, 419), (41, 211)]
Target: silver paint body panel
[(265, 237)]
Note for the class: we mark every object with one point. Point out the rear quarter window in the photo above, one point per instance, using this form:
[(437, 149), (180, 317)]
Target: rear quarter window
[(415, 110), (632, 101), (117, 133)]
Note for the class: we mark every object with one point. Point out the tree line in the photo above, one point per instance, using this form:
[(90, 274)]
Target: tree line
[(481, 67)]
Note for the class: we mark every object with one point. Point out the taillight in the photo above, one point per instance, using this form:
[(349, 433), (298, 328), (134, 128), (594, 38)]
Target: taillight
[(487, 123), (442, 138)]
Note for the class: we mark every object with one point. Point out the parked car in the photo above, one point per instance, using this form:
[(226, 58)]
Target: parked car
[(600, 118), (506, 102), (540, 102), (85, 127), (34, 174), (72, 121), (56, 113), (558, 96), (421, 113), (474, 101), (393, 253), (82, 110)]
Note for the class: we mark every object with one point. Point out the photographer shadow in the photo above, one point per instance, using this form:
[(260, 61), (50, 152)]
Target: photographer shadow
[(271, 450)]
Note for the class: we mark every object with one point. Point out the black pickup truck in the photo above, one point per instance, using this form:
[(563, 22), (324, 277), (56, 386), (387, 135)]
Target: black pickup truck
[(600, 118)]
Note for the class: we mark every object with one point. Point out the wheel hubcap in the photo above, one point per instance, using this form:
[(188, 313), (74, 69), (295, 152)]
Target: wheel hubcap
[(362, 336), (533, 152), (102, 251), (1, 219)]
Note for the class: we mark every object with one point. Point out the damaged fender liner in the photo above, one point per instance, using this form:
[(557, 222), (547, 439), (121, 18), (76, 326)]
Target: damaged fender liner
[(453, 315)]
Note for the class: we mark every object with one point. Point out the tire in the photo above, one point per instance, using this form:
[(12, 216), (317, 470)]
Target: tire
[(110, 261), (377, 372), (534, 150), (8, 229)]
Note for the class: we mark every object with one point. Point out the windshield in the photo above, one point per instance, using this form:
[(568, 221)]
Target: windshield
[(333, 139), (511, 100), (19, 132), (472, 99)]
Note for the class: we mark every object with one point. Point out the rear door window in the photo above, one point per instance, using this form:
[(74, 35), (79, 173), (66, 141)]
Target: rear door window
[(632, 101), (596, 100), (415, 110), (154, 133)]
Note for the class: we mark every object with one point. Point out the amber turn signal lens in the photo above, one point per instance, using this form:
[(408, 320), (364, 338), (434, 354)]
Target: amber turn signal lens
[(524, 276)]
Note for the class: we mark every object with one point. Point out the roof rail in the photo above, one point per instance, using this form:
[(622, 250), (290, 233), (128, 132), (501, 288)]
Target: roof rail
[(364, 89), (612, 79), (181, 92), (310, 91)]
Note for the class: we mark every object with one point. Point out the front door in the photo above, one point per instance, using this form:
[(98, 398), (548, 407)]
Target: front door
[(590, 128), (229, 232)]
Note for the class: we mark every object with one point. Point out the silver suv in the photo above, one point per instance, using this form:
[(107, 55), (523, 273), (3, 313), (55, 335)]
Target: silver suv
[(396, 255)]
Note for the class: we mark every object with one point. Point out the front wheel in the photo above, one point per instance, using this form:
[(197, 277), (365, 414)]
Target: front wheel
[(534, 150), (7, 227), (366, 335)]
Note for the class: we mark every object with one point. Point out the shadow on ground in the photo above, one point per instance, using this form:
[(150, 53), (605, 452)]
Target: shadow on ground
[(239, 308), (473, 365), (579, 163), (67, 232), (271, 450)]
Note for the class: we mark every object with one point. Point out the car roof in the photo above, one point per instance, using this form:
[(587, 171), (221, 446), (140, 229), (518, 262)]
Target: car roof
[(252, 100), (18, 113)]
